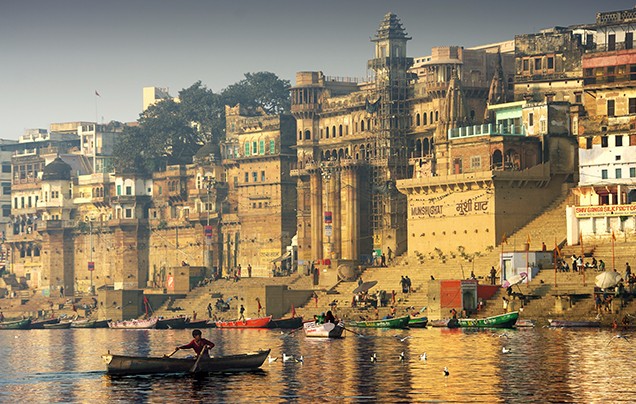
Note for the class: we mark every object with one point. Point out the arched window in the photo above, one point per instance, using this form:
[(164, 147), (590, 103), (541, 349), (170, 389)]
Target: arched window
[(431, 119), (327, 132), (424, 118), (333, 130), (340, 130), (362, 125), (417, 120), (300, 135), (307, 135), (436, 116)]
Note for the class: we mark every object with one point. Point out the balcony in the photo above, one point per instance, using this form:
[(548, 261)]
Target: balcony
[(488, 129)]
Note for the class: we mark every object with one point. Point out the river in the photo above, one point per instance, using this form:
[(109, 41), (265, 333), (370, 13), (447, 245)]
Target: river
[(543, 365)]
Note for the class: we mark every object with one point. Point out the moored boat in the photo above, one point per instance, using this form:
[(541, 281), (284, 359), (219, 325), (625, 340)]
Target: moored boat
[(199, 324), (444, 322), (418, 322), (395, 322), (88, 323), (58, 326), (261, 322), (524, 323), (574, 324), (23, 324), (135, 365), (290, 323), (506, 320), (39, 324), (134, 324), (175, 323), (323, 330)]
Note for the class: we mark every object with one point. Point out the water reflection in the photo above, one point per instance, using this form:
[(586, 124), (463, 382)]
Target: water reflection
[(542, 365)]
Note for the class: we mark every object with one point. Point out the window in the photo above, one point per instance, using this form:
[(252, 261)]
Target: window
[(632, 172), (619, 173), (632, 105), (617, 158), (537, 64), (307, 137), (261, 147), (618, 139), (247, 177), (6, 188), (6, 210), (128, 190), (128, 213), (255, 176), (254, 148), (604, 141), (577, 98), (611, 42), (6, 167), (526, 65), (604, 174), (475, 162), (247, 149), (262, 176), (530, 119), (589, 39), (272, 147), (629, 40), (588, 142), (611, 105), (550, 61), (118, 189)]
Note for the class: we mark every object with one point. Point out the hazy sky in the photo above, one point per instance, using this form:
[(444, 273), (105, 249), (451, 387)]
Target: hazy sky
[(54, 54)]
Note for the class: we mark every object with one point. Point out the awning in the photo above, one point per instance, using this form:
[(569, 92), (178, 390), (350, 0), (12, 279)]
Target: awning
[(283, 257)]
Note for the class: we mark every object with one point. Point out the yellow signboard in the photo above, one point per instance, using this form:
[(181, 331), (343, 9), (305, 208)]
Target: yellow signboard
[(605, 210)]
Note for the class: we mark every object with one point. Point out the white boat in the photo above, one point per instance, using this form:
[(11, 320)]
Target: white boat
[(134, 324), (323, 330)]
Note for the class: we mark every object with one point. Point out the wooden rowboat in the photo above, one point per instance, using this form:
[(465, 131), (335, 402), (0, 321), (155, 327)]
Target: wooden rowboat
[(506, 320), (286, 323), (323, 330), (396, 322), (58, 326), (88, 323), (39, 324), (16, 325), (136, 365), (134, 324), (175, 323), (261, 322), (418, 322), (574, 324), (199, 324)]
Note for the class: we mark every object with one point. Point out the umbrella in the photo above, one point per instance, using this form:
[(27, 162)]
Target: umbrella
[(365, 286), (514, 280), (607, 279)]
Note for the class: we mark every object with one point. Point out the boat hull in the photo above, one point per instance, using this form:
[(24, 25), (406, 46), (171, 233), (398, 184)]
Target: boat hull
[(418, 322), (176, 323), (506, 320), (324, 330), (58, 326), (90, 324), (248, 323), (134, 365), (16, 325), (39, 324), (396, 322), (134, 324), (286, 323), (574, 324), (199, 324)]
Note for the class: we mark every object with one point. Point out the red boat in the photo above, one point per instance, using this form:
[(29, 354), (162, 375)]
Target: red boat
[(247, 323)]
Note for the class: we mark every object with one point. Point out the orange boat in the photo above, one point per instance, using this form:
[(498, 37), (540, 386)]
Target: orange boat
[(247, 323)]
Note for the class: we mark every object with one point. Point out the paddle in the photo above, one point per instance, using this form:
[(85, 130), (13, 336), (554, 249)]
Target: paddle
[(196, 364), (353, 332), (173, 352)]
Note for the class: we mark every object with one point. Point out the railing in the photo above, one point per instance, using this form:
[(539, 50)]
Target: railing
[(487, 129)]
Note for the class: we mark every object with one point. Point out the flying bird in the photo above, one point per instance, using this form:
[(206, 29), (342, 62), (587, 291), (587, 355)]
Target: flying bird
[(505, 350), (446, 372), (618, 336), (287, 357), (423, 357), (300, 359), (402, 339), (374, 358), (502, 335), (402, 357), (270, 359)]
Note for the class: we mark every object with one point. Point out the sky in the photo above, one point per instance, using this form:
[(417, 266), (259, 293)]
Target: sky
[(55, 55)]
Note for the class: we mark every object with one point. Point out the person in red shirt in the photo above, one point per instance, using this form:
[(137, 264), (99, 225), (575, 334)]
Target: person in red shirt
[(199, 344)]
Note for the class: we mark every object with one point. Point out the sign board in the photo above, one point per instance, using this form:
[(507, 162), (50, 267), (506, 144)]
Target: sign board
[(328, 217), (208, 231), (605, 210), (328, 230), (91, 266)]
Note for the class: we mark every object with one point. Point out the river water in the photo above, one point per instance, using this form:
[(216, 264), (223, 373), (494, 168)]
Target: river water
[(543, 365)]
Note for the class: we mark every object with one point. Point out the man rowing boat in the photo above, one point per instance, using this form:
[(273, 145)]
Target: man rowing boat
[(199, 344)]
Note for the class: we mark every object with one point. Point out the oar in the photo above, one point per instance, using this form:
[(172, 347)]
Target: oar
[(173, 352), (196, 364), (353, 332)]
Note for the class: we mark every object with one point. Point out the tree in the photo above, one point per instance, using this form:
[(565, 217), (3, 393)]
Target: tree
[(263, 89)]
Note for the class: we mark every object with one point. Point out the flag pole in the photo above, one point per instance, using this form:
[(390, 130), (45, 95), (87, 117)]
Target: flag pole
[(613, 256), (582, 269), (528, 271), (555, 262)]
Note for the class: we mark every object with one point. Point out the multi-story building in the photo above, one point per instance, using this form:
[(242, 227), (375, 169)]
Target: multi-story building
[(607, 133)]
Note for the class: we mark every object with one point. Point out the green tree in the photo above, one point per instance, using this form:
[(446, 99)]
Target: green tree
[(262, 89)]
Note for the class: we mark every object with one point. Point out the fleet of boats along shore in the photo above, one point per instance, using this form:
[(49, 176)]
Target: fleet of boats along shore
[(316, 328)]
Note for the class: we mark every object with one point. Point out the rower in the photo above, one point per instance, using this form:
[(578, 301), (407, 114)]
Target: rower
[(199, 344)]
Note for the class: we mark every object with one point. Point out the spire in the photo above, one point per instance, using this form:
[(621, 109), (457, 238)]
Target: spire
[(497, 92), (455, 106), (390, 28)]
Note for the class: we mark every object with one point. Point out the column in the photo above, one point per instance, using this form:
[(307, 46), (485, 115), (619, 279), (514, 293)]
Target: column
[(316, 216)]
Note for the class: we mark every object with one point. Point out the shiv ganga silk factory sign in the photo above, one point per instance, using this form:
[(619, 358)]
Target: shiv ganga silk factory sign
[(462, 207), (605, 210)]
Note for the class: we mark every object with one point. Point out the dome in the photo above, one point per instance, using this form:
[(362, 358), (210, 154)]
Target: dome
[(57, 170)]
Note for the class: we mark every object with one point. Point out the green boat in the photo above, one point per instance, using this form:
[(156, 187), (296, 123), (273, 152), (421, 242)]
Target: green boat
[(506, 320), (418, 322), (396, 322), (16, 325)]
